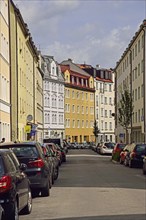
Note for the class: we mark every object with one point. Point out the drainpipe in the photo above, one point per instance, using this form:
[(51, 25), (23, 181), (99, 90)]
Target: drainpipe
[(144, 78)]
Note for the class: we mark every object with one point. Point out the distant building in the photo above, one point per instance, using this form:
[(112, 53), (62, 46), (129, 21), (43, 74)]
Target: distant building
[(130, 72), (104, 82), (79, 103), (53, 89), (4, 71)]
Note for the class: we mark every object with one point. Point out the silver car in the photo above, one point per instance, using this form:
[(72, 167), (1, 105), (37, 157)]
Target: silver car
[(107, 148)]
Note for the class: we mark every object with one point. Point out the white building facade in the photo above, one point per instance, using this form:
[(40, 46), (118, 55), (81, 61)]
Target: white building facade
[(104, 105), (53, 89)]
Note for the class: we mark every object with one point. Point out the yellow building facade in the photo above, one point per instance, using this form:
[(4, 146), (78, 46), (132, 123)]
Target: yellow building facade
[(4, 71), (79, 105), (25, 79)]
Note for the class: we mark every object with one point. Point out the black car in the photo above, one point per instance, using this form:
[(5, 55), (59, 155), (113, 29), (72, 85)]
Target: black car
[(38, 171), (137, 155), (15, 192)]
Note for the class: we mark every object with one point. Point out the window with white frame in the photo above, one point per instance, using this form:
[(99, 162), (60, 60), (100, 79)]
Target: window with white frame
[(110, 126)]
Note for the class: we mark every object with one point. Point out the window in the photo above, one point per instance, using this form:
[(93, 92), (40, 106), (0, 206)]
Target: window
[(73, 108), (78, 123)]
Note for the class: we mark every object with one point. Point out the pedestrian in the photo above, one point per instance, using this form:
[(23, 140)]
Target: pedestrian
[(3, 140)]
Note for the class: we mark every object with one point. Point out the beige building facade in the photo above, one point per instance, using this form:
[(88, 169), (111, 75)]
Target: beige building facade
[(4, 71), (26, 81), (130, 72)]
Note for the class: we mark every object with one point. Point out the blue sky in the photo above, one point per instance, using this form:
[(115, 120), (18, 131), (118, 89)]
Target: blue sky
[(87, 31)]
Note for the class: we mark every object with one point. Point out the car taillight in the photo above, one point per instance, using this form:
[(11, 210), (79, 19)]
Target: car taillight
[(5, 183), (36, 163)]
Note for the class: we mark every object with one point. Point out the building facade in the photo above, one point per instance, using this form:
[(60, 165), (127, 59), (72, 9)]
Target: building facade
[(104, 83), (26, 80), (130, 73), (79, 103), (4, 71), (53, 89)]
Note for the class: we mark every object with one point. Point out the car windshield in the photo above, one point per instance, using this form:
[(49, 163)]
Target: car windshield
[(25, 151), (121, 146)]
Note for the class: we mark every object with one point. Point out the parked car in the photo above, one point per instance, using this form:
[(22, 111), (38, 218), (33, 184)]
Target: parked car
[(56, 158), (137, 155), (38, 171), (144, 166), (1, 213), (50, 164), (126, 150), (15, 192), (107, 148), (117, 150)]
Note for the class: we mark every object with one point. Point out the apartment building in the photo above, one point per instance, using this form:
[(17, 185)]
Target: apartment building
[(130, 71), (4, 71), (26, 81), (104, 83), (53, 89), (79, 103)]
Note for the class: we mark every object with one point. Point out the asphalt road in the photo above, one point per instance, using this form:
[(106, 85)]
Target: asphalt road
[(92, 187)]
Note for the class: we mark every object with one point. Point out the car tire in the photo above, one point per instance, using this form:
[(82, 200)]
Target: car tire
[(14, 213), (27, 209), (45, 192), (131, 164), (121, 162), (56, 173)]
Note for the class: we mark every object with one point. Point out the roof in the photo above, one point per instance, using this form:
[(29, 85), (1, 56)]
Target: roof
[(74, 67)]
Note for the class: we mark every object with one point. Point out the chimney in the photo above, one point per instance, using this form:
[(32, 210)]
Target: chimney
[(97, 66)]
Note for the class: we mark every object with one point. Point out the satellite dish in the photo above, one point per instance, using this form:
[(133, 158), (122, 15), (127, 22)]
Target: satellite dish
[(29, 117)]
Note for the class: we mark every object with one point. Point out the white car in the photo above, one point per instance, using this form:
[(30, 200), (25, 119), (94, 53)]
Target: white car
[(107, 148)]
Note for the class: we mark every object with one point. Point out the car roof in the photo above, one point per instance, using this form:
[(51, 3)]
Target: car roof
[(18, 143)]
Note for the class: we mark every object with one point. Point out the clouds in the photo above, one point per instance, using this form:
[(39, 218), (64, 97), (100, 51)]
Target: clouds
[(95, 32)]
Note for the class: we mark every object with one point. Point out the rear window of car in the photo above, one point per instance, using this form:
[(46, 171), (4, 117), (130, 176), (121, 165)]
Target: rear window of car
[(140, 148), (25, 151), (110, 145), (1, 167)]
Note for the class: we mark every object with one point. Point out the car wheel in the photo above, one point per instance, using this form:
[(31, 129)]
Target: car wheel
[(35, 193), (46, 190), (121, 162), (131, 164), (27, 209), (125, 162), (12, 214), (56, 173)]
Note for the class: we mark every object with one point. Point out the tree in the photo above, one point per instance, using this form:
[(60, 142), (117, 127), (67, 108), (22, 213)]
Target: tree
[(125, 110), (96, 130)]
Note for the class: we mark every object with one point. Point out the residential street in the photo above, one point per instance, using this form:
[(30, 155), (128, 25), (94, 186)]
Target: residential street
[(92, 187)]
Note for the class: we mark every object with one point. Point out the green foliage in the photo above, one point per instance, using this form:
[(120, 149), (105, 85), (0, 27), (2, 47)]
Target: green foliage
[(125, 109), (96, 130)]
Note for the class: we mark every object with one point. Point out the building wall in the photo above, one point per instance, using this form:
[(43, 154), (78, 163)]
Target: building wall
[(104, 107), (4, 72), (79, 112), (130, 72), (53, 99)]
